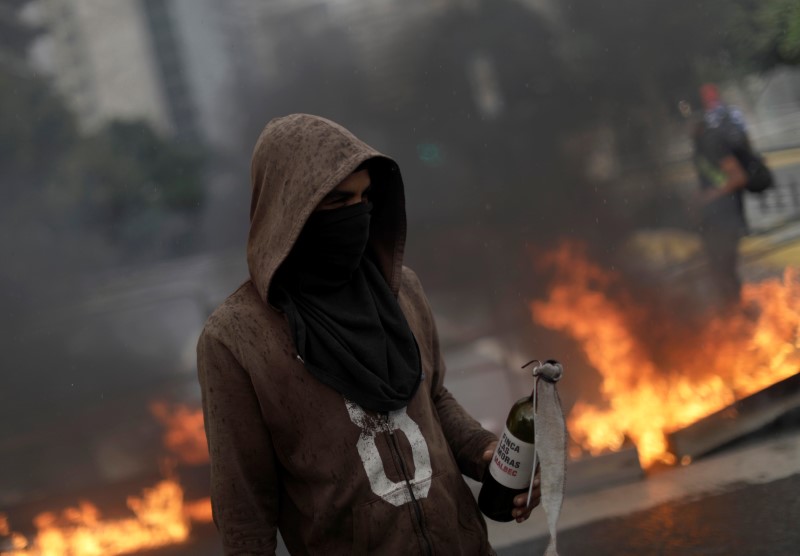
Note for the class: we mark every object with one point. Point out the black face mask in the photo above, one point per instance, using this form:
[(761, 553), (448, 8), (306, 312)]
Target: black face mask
[(331, 245), (346, 323)]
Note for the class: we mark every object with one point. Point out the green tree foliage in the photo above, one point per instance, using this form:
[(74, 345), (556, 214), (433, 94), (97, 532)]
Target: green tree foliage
[(125, 179), (123, 182), (763, 34)]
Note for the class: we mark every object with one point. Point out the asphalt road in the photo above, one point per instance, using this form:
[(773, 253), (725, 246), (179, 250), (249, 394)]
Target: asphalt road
[(753, 520), (742, 500)]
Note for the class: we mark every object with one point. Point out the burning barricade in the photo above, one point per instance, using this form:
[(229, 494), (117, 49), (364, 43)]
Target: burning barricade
[(695, 370), (159, 516), (655, 405)]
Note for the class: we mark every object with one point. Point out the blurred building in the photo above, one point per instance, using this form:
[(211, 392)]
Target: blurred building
[(166, 62), (103, 61), (182, 65)]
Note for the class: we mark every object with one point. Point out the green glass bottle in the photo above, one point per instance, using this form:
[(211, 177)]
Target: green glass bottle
[(509, 472)]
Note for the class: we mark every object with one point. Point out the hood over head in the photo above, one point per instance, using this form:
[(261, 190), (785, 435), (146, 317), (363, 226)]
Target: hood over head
[(297, 160)]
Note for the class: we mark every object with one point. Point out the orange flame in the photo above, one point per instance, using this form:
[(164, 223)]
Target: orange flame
[(17, 542), (733, 357), (184, 433), (160, 518)]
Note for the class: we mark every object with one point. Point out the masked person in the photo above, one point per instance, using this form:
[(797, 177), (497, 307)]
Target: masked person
[(321, 376)]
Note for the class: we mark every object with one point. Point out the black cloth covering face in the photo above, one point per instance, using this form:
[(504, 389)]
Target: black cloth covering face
[(346, 323)]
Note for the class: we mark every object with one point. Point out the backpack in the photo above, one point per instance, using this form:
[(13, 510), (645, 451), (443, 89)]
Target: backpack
[(760, 177), (732, 131)]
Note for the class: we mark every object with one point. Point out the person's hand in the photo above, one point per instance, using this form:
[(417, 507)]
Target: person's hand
[(702, 198), (521, 511)]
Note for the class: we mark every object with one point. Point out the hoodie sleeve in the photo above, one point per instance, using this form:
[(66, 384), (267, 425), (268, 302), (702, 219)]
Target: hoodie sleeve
[(244, 482), (466, 437)]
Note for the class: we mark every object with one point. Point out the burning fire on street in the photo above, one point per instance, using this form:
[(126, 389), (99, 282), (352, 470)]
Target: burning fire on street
[(729, 358), (159, 516), (643, 400)]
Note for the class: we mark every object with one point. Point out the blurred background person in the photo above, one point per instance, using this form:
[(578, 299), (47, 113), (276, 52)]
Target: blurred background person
[(722, 179), (726, 118)]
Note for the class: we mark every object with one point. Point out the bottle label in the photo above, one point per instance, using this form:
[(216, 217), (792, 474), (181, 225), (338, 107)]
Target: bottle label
[(512, 462)]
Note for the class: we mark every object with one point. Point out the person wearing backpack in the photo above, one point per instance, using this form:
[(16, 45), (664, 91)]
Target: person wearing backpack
[(726, 118), (728, 122), (722, 222)]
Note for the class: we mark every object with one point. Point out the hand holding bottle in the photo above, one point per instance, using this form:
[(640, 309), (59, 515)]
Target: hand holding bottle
[(521, 512), (534, 434)]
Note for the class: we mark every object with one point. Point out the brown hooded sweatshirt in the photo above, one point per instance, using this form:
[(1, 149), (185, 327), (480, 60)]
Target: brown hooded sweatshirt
[(288, 452)]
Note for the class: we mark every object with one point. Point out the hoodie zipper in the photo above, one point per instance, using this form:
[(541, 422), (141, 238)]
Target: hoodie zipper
[(404, 470), (396, 454)]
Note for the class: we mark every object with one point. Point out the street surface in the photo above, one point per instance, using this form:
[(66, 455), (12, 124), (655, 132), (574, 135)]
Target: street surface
[(742, 501), (753, 520), (745, 500)]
